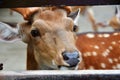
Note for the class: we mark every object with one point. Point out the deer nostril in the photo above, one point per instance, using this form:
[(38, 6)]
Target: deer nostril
[(65, 57), (70, 55)]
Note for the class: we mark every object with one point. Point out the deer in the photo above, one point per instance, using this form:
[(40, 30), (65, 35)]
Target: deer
[(66, 50), (113, 22), (50, 38)]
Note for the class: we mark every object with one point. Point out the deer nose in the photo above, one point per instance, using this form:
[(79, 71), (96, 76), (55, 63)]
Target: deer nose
[(72, 58)]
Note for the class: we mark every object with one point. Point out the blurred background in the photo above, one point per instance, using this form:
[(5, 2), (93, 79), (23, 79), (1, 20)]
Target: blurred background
[(13, 55)]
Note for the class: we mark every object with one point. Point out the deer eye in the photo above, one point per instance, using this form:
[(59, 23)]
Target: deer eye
[(35, 33), (75, 28)]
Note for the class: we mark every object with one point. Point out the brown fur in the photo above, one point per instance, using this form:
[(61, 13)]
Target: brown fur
[(100, 52)]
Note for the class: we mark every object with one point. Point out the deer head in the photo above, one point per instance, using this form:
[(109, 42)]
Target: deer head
[(114, 21), (50, 38)]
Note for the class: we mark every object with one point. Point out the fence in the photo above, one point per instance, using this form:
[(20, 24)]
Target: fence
[(31, 3), (61, 75)]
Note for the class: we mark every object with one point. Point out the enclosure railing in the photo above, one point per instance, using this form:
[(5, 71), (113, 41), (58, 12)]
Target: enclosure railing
[(61, 75), (32, 3)]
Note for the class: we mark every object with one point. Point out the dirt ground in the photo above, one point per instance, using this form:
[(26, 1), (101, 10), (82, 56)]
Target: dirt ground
[(13, 55)]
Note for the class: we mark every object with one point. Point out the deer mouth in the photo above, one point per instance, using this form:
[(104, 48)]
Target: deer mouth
[(73, 63), (67, 68)]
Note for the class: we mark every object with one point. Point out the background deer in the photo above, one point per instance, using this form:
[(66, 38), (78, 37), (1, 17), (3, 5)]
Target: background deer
[(113, 22), (100, 50)]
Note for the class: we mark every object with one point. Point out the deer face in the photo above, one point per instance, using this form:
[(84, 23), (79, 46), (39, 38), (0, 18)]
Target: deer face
[(52, 40)]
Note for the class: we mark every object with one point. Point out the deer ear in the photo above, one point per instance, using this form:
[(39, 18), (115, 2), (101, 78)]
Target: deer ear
[(74, 15), (117, 11), (8, 34)]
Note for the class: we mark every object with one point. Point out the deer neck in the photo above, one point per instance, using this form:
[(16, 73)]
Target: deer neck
[(31, 62)]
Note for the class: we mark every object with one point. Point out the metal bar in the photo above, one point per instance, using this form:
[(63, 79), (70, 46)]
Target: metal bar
[(33, 3), (61, 75)]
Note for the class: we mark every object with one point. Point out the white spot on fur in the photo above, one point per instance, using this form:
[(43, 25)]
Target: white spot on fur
[(90, 35), (87, 54), (100, 35), (91, 67), (106, 35), (107, 50), (113, 42), (110, 60), (110, 47), (115, 34), (118, 66), (103, 65), (102, 42), (114, 67), (94, 53), (96, 47), (115, 59), (105, 53)]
